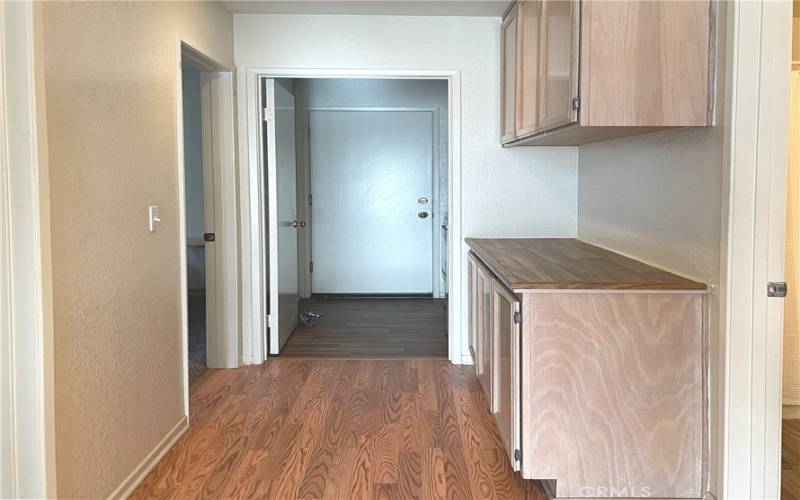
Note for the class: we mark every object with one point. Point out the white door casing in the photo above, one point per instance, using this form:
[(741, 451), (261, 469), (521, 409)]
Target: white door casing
[(281, 200), (252, 187), (371, 178), (757, 153)]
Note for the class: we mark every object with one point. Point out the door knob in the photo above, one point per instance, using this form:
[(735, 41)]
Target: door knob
[(422, 215), (300, 223)]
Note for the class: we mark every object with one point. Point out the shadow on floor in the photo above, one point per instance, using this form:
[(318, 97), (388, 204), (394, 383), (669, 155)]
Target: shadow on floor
[(197, 336)]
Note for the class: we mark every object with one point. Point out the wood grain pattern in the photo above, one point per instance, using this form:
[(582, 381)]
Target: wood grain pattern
[(505, 368), (527, 71), (371, 328), (645, 63), (790, 459), (642, 66), (613, 392), (334, 429), (509, 76), (558, 62), (566, 263)]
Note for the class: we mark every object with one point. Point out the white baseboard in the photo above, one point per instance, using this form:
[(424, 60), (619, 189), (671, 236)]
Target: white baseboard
[(141, 471)]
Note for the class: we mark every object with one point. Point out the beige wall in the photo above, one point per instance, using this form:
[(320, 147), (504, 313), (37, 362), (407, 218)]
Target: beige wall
[(111, 86), (659, 198)]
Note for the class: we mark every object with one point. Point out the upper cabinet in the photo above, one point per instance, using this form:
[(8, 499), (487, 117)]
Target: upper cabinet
[(576, 72)]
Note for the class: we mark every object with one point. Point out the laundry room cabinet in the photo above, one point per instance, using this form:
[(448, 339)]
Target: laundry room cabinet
[(578, 71), (593, 359)]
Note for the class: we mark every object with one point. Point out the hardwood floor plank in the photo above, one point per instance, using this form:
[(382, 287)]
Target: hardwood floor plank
[(410, 473), (335, 429), (434, 482), (372, 328), (320, 472)]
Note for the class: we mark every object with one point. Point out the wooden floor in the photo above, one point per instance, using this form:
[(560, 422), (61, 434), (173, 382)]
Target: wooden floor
[(790, 460), (339, 429), (372, 328)]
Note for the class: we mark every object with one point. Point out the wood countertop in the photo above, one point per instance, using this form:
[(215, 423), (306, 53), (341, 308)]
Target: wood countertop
[(568, 263)]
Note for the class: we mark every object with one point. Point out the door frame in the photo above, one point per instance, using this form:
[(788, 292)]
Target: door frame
[(27, 401), (254, 320), (756, 151), (436, 220), (222, 342)]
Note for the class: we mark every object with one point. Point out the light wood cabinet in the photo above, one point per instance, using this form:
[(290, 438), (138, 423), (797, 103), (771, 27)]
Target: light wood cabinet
[(506, 366), (479, 285), (509, 76), (526, 99), (588, 71), (599, 368), (558, 60), (472, 305)]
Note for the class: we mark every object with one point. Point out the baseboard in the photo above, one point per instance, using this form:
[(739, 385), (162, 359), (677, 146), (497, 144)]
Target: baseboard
[(141, 471)]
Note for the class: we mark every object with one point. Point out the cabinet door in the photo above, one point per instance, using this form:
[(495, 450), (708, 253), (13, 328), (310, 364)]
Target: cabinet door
[(506, 366), (508, 76), (558, 60), (528, 42), (484, 371), (472, 290)]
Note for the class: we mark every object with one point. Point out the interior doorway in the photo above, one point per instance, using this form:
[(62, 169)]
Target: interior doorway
[(790, 432), (207, 216), (357, 175)]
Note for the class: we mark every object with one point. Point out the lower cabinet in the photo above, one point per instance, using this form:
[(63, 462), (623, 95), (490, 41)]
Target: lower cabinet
[(480, 325), (506, 368), (494, 336), (596, 393)]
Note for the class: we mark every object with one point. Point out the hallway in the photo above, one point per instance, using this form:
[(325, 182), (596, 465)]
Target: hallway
[(339, 429)]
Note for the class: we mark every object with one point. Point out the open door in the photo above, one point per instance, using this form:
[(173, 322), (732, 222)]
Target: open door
[(281, 201)]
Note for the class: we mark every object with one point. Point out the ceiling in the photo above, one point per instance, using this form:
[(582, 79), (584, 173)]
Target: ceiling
[(489, 8)]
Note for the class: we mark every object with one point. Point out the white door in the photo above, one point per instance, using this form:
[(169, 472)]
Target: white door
[(281, 200), (371, 183)]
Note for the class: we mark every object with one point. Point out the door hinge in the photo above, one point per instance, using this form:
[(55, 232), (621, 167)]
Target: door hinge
[(268, 115), (311, 267), (517, 317), (270, 321), (517, 455), (576, 103), (777, 289), (310, 200)]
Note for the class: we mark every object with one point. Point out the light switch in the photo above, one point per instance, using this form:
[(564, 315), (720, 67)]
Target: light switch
[(152, 211)]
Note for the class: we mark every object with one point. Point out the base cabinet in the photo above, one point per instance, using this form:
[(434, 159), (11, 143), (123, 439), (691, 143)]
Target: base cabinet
[(597, 393)]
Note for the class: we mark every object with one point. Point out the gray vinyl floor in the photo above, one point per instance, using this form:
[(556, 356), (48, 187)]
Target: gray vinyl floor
[(372, 328)]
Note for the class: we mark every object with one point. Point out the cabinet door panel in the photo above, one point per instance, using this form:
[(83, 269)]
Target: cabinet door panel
[(509, 77), (485, 332), (472, 290), (528, 46), (506, 390), (558, 61)]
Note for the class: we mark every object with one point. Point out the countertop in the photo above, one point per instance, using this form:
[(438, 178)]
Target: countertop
[(568, 263)]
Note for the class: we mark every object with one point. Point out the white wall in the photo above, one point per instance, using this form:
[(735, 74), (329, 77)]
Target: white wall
[(505, 192)]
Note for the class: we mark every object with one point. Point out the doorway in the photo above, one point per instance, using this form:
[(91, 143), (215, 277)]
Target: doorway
[(207, 216), (371, 189), (790, 425)]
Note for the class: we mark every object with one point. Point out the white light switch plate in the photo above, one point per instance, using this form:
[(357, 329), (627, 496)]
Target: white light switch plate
[(152, 211)]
